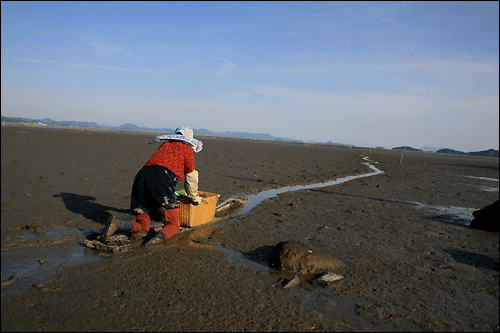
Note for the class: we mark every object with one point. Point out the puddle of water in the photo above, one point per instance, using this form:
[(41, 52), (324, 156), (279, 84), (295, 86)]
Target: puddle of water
[(484, 188), (489, 189), (45, 236), (36, 256), (237, 258), (55, 246), (483, 178), (25, 263), (460, 215)]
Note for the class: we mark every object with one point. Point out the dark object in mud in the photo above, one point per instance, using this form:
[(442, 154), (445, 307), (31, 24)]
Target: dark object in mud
[(487, 218), (116, 244), (299, 258), (8, 280), (30, 227)]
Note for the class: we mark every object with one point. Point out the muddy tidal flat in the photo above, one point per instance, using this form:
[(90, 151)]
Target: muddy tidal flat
[(410, 260)]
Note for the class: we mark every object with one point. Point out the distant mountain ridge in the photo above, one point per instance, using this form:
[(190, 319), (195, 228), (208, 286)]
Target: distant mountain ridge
[(227, 134), (406, 148), (432, 149), (484, 153), (133, 127), (448, 151)]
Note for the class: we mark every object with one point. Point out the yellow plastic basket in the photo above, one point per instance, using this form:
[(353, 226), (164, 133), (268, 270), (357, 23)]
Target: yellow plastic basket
[(193, 215)]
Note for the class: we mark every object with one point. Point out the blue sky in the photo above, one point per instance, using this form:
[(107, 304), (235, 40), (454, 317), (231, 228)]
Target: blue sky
[(362, 73)]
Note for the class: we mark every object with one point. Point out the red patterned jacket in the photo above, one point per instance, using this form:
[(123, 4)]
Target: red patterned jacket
[(175, 156)]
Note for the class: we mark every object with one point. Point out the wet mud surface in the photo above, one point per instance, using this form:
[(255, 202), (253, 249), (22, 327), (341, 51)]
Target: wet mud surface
[(410, 261)]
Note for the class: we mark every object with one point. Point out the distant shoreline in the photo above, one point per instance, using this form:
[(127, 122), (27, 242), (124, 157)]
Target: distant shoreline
[(230, 138), (160, 133)]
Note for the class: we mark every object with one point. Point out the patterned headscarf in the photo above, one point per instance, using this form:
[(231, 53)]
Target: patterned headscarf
[(183, 134)]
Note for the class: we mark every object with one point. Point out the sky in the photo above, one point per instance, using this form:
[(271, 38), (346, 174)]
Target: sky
[(370, 74)]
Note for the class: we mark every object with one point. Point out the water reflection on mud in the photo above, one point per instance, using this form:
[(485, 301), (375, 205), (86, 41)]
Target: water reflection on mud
[(237, 258), (34, 256)]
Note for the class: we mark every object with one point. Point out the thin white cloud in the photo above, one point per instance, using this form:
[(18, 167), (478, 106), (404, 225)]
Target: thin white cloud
[(232, 94), (189, 63), (61, 63), (226, 68), (107, 49), (286, 93)]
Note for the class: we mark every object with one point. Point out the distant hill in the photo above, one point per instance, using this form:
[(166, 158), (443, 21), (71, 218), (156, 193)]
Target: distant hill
[(448, 151), (432, 149), (129, 127), (50, 122), (488, 153), (133, 127), (406, 148), (484, 153)]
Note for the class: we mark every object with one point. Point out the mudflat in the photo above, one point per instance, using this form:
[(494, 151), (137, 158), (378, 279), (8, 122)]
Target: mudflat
[(410, 261)]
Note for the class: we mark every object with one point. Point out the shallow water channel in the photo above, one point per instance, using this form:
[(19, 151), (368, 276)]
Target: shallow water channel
[(54, 248), (256, 199)]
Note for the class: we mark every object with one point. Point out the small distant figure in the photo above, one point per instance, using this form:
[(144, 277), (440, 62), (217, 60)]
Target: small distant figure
[(86, 130)]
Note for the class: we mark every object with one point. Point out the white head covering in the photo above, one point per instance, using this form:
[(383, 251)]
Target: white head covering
[(185, 135)]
